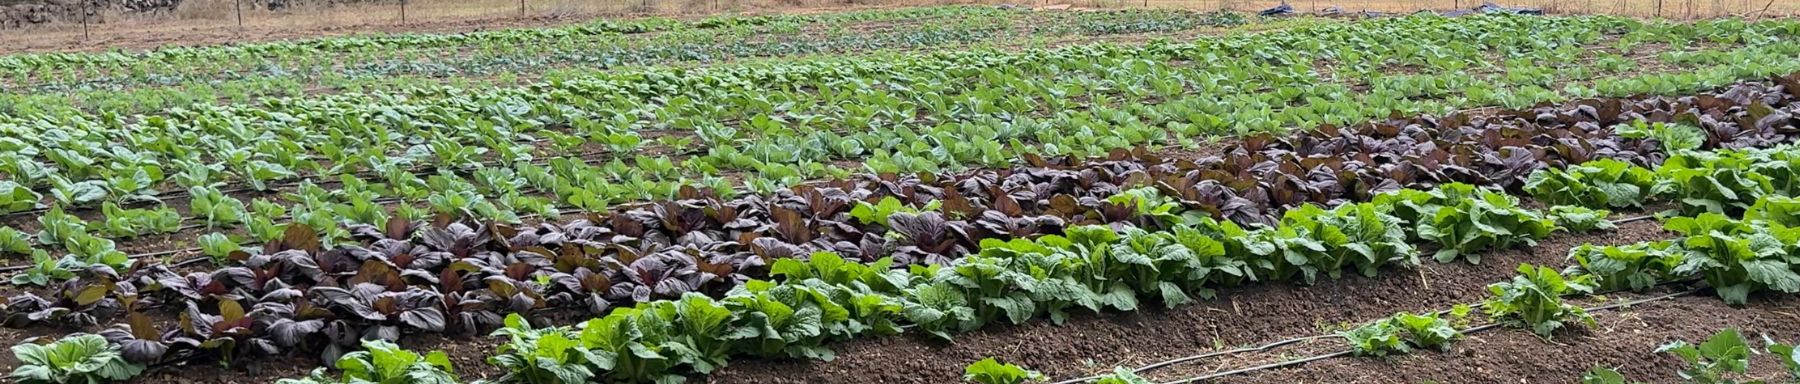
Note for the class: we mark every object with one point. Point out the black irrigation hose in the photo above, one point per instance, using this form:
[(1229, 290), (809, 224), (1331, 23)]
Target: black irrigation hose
[(1347, 353)]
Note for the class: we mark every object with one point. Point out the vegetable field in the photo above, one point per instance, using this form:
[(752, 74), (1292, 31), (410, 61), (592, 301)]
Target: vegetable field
[(918, 195)]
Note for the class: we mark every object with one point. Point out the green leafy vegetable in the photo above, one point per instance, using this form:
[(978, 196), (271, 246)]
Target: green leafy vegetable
[(76, 359), (988, 371), (1533, 300)]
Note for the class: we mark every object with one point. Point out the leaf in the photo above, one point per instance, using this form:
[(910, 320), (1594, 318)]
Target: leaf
[(1773, 273)]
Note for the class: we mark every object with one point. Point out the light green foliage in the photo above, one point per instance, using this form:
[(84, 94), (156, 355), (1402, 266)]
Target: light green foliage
[(14, 242), (129, 223), (214, 207), (1782, 210), (1738, 258), (1402, 333), (1595, 184), (1533, 300), (1604, 376), (1580, 220), (1122, 376), (1723, 358), (1379, 338), (15, 197), (1673, 137), (1722, 182), (878, 213), (45, 269), (81, 359), (1490, 221), (1630, 267), (988, 371), (381, 362), (1712, 361)]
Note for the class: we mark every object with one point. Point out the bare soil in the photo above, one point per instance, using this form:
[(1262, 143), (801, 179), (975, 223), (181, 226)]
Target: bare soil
[(1624, 340)]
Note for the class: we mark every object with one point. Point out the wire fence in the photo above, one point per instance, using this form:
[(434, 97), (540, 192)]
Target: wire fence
[(88, 24)]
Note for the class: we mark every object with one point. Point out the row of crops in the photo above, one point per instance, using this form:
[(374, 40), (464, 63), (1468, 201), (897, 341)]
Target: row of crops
[(177, 77), (682, 286), (95, 187)]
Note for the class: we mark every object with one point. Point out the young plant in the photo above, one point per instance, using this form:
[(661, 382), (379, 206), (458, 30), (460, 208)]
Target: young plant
[(1581, 220), (1596, 184), (14, 242), (215, 207), (1635, 267), (75, 359), (1378, 338), (989, 371), (1120, 375), (1737, 258), (17, 198), (541, 355), (382, 362), (45, 269), (1713, 361), (129, 223), (1533, 300), (1604, 376), (1429, 330), (1491, 221), (1402, 333)]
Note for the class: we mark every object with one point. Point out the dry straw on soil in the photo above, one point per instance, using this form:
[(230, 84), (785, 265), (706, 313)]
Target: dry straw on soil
[(218, 21)]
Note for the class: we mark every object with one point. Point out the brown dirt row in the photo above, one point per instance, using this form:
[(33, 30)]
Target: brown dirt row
[(1252, 315), (1625, 340)]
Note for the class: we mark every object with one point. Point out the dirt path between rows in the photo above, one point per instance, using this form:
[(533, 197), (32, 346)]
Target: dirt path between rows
[(1251, 315), (1624, 340)]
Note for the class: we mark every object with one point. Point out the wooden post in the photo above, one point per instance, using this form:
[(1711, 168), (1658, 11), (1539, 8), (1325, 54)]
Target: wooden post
[(402, 11), (84, 26), (521, 8), (240, 13)]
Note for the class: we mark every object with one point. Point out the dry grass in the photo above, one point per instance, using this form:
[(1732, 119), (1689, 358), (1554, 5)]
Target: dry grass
[(217, 21), (1675, 9)]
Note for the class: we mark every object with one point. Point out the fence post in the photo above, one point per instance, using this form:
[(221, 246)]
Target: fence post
[(84, 26)]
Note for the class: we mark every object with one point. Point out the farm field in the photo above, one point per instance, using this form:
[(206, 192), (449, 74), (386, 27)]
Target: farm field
[(896, 195)]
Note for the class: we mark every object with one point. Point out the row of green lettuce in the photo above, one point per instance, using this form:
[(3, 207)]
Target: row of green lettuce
[(1734, 257), (242, 79), (23, 65)]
